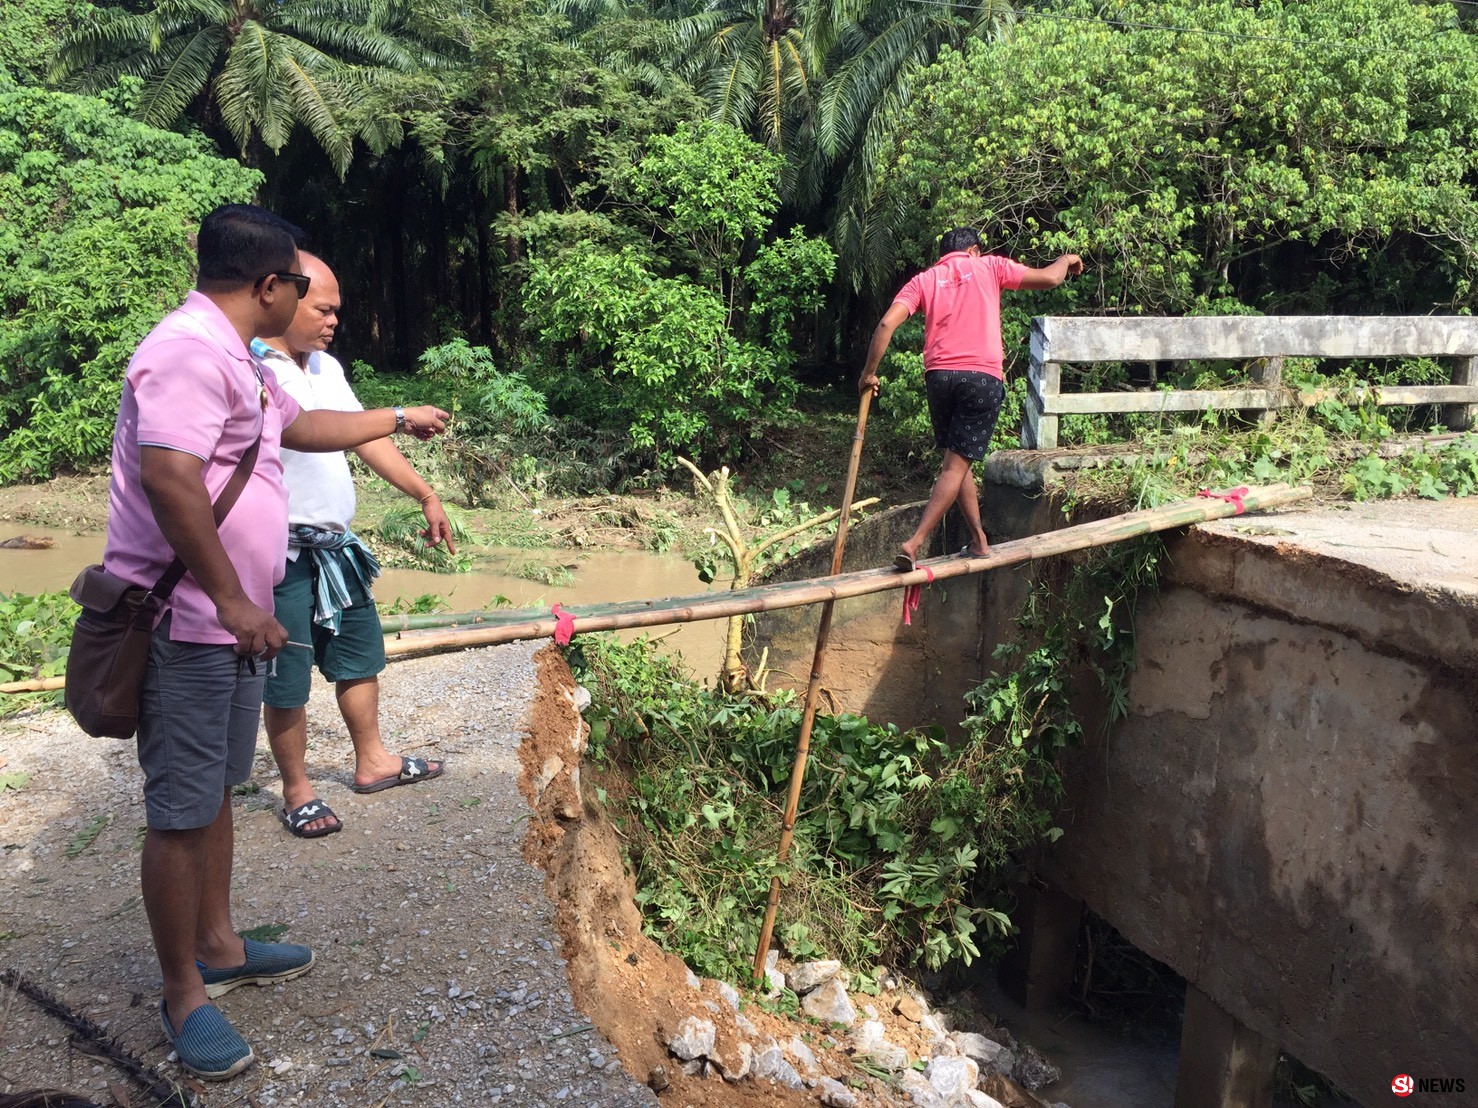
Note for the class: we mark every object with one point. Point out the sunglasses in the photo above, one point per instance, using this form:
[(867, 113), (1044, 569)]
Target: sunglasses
[(297, 280)]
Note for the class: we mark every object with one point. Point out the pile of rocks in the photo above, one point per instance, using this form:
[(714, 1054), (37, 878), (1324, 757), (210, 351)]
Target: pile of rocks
[(963, 1069)]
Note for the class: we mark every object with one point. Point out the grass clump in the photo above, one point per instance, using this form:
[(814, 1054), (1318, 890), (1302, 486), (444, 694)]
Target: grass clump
[(905, 844), (35, 635)]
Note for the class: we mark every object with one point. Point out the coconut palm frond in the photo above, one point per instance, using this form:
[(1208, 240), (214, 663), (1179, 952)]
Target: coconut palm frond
[(318, 104), (348, 42), (184, 71)]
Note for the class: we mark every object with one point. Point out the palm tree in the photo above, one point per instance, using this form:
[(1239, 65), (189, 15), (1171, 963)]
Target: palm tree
[(823, 82), (759, 64), (865, 95), (259, 67)]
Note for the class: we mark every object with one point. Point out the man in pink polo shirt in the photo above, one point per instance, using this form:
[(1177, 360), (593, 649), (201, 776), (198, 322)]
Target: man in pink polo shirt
[(964, 372), (193, 403)]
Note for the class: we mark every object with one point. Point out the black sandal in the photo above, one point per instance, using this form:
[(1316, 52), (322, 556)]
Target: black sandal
[(304, 814)]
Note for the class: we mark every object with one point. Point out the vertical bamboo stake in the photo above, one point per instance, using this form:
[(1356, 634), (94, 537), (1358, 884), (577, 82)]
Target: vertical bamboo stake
[(813, 693)]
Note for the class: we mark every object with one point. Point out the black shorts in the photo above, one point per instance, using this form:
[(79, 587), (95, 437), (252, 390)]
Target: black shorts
[(964, 406)]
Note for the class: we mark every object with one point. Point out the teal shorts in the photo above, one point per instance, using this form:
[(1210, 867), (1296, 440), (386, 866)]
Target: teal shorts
[(356, 652)]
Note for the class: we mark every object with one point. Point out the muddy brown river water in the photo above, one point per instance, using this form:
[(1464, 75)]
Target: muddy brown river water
[(599, 576)]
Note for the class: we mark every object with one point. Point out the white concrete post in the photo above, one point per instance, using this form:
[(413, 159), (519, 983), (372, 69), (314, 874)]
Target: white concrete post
[(1460, 417), (1039, 428)]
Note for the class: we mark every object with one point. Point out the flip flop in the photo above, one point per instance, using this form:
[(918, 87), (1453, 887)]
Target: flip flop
[(411, 771), (904, 564), (304, 814)]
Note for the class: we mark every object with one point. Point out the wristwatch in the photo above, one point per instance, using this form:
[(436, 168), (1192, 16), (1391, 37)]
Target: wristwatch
[(399, 418)]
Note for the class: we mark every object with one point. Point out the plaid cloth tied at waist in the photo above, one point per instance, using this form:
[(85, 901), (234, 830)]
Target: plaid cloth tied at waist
[(338, 557)]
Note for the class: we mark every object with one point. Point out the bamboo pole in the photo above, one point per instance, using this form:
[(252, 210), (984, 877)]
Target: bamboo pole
[(813, 693), (627, 615), (421, 621), (514, 625), (39, 684)]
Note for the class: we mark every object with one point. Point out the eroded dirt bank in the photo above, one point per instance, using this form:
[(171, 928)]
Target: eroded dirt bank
[(639, 997)]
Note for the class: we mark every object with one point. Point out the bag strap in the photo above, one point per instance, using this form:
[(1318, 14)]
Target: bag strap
[(220, 509)]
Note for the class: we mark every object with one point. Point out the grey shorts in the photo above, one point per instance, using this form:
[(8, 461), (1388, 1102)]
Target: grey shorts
[(197, 729)]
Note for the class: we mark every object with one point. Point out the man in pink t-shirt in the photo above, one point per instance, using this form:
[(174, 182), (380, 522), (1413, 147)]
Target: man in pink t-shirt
[(193, 404), (964, 372)]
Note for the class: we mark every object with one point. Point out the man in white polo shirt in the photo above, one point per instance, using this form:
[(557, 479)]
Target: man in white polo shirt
[(324, 598)]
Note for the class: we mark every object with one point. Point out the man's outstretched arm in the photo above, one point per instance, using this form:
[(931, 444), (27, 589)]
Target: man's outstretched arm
[(322, 430), (881, 337), (1050, 276)]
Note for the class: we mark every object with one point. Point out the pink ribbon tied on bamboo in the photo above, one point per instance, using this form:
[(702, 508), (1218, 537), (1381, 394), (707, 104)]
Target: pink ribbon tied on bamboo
[(913, 595), (1231, 496), (564, 626)]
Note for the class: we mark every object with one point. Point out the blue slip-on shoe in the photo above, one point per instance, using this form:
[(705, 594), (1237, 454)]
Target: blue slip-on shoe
[(266, 964), (207, 1045)]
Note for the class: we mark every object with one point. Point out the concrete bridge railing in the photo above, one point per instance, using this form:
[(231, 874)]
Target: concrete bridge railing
[(1265, 340)]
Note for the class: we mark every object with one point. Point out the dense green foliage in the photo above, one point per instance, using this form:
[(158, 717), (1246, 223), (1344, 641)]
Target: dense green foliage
[(1298, 157), (94, 249), (905, 846), (29, 33), (531, 178), (693, 349), (35, 633)]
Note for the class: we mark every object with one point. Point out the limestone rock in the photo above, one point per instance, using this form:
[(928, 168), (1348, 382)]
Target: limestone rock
[(694, 1039), (775, 982), (973, 1045), (742, 1022), (1004, 1062), (767, 1061), (830, 1004), (1033, 1070), (976, 1099), (810, 975), (801, 1053), (870, 1046), (785, 1074), (693, 982), (866, 1035), (730, 994), (917, 1086), (1008, 1092), (935, 1023), (836, 1095), (547, 773), (581, 698), (952, 1077), (734, 1062)]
